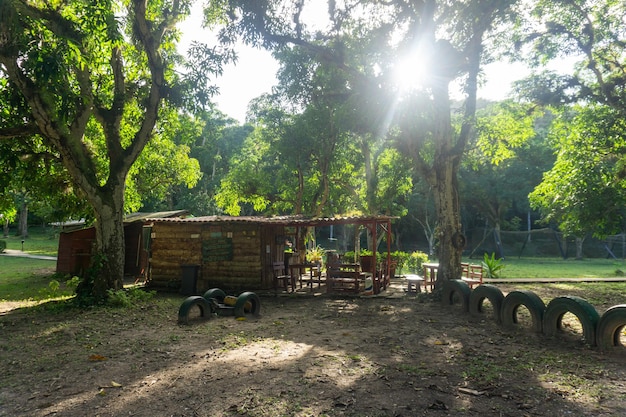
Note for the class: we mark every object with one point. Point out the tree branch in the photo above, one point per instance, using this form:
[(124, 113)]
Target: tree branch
[(19, 131)]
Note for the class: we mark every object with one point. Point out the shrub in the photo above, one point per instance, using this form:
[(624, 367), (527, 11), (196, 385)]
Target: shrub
[(415, 261), (3, 246), (400, 258), (126, 298)]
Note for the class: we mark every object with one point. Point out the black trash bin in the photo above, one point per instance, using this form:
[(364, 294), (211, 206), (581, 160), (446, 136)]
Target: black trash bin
[(190, 279)]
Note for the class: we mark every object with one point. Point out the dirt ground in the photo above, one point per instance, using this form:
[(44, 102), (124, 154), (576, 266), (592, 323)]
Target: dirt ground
[(313, 355)]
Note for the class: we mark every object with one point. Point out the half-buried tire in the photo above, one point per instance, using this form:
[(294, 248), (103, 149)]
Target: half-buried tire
[(216, 293), (190, 303), (528, 299), (456, 290), (585, 312), (247, 303), (486, 292), (610, 327)]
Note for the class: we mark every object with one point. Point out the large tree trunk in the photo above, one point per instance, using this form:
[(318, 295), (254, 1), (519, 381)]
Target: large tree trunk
[(110, 246), (444, 182), (449, 231)]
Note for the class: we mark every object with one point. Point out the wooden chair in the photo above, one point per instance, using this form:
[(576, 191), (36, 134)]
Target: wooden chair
[(281, 278), (472, 275), (315, 277), (382, 279)]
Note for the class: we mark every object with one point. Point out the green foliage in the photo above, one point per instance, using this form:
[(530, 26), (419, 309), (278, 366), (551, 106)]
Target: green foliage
[(492, 266), (52, 290), (126, 298), (585, 191), (415, 261), (72, 283), (57, 290), (85, 290), (412, 261), (590, 30), (400, 258), (3, 245), (501, 128)]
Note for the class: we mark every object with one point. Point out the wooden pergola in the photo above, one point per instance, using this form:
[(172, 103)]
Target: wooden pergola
[(371, 223)]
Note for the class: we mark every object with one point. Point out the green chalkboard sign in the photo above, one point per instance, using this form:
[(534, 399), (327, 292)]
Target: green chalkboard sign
[(217, 249)]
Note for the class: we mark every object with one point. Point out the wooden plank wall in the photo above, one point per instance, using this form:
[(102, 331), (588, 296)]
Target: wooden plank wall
[(180, 243)]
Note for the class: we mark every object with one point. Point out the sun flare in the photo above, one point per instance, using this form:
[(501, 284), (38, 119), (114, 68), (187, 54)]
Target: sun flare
[(411, 71)]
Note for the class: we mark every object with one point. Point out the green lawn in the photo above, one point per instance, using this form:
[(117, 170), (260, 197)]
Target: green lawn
[(25, 279), (29, 279), (559, 268), (41, 241)]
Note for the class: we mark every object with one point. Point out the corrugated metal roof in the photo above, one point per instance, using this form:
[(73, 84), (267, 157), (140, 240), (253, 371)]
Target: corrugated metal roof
[(280, 220), (135, 217), (129, 218)]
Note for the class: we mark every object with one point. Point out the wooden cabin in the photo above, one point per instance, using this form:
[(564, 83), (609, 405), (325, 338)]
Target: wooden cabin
[(231, 253)]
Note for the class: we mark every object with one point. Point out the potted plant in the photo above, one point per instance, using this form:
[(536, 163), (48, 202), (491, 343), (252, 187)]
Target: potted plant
[(315, 255)]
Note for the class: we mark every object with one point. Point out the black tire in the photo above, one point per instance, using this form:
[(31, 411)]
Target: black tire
[(610, 326), (491, 293), (585, 312), (247, 303), (456, 287), (528, 299), (216, 293), (187, 306)]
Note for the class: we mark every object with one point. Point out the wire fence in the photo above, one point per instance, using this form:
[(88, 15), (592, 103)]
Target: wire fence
[(541, 243)]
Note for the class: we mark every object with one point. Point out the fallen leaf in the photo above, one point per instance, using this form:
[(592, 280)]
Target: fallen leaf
[(115, 384), (96, 358)]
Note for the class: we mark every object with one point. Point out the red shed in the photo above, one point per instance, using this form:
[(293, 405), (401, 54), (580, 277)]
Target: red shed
[(76, 243)]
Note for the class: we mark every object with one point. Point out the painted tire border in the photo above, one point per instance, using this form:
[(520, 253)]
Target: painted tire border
[(609, 327), (491, 293), (216, 293), (528, 299), (203, 304), (245, 298), (456, 286), (581, 308)]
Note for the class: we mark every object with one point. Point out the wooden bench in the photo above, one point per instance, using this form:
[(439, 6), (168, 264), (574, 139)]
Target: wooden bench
[(339, 279)]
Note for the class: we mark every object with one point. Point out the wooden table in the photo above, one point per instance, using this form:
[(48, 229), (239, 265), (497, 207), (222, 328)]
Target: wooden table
[(313, 273), (430, 274)]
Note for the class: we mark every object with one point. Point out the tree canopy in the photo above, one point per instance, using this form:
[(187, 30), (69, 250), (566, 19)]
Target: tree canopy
[(91, 80)]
